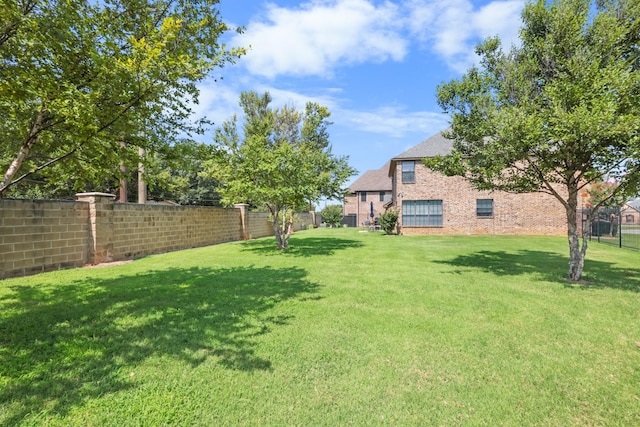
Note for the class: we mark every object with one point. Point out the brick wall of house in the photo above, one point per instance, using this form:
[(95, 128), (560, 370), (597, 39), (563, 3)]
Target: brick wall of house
[(350, 205), (37, 236), (514, 214), (354, 205), (630, 215)]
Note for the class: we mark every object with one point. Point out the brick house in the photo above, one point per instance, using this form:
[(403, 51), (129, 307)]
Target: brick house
[(373, 186), (630, 213), (431, 203)]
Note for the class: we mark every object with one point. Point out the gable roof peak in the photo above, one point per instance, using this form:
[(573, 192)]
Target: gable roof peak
[(436, 145), (373, 180)]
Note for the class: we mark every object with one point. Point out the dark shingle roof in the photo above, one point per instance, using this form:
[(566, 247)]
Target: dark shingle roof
[(373, 180), (433, 146), (635, 203)]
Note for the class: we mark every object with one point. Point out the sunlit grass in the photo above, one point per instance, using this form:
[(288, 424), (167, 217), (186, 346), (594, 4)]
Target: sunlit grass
[(345, 328)]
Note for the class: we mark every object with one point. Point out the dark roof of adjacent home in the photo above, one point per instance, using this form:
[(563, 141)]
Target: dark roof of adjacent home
[(436, 145), (373, 180), (635, 203)]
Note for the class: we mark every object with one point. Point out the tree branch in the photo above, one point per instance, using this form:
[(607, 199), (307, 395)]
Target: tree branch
[(37, 128), (12, 28)]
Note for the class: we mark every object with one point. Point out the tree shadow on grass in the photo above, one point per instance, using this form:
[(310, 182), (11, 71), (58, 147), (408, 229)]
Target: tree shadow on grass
[(60, 345), (549, 266), (303, 247)]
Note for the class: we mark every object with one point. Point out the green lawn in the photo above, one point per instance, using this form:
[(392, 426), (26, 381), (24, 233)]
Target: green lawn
[(345, 328)]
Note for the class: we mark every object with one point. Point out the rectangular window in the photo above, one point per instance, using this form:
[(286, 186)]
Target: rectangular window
[(382, 196), (484, 208), (408, 172), (422, 213), (363, 196), (630, 219)]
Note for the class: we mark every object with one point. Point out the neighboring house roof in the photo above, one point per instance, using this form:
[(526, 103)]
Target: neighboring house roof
[(635, 203), (436, 145), (373, 180)]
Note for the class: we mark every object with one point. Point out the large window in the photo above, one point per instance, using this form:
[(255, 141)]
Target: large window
[(408, 172), (422, 213), (484, 208)]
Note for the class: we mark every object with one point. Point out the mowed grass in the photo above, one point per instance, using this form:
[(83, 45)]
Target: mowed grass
[(345, 328)]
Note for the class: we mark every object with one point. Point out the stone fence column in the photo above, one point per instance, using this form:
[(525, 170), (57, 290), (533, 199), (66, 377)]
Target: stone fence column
[(100, 225), (244, 220)]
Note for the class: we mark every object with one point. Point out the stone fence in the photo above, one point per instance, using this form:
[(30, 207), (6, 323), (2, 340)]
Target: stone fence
[(45, 235)]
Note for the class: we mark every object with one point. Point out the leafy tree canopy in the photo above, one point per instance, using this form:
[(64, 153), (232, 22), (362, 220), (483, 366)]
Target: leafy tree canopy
[(281, 160), (555, 113), (176, 175), (601, 194), (78, 77)]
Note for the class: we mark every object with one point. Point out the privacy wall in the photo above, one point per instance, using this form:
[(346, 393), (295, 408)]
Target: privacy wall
[(42, 235)]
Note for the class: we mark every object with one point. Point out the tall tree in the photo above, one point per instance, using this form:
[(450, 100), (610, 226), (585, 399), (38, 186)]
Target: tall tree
[(282, 160), (79, 77), (554, 114)]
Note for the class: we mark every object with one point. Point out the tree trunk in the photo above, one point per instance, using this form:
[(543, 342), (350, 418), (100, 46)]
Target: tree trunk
[(28, 143), (276, 232), (281, 226), (142, 185), (124, 198), (577, 251)]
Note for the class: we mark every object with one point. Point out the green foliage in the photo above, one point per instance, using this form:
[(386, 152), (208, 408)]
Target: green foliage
[(388, 221), (171, 173), (177, 175), (332, 215), (555, 113), (79, 77), (282, 161), (604, 194)]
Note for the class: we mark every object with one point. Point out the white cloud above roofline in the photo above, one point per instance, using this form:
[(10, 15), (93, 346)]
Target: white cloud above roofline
[(319, 36), (452, 28), (394, 121), (219, 103)]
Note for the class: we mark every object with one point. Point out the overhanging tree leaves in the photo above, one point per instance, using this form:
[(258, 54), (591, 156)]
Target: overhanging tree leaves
[(558, 112), (282, 160), (174, 174), (78, 77)]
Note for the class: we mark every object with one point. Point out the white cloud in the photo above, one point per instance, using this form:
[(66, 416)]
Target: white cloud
[(394, 121), (500, 18), (315, 37), (299, 101), (217, 102), (452, 28)]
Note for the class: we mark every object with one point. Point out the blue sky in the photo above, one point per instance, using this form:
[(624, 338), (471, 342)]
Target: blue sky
[(374, 64)]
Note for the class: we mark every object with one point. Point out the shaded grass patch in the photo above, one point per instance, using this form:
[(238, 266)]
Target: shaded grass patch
[(65, 343)]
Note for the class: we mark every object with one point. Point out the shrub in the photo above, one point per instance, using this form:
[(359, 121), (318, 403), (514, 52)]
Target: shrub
[(332, 215), (388, 221)]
